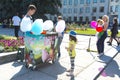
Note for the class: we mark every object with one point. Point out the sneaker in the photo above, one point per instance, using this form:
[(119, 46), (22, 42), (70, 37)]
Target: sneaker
[(70, 74), (110, 44), (118, 43), (69, 70), (100, 54), (108, 41), (59, 55)]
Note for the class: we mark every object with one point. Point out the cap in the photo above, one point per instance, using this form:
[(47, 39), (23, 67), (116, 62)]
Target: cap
[(72, 33)]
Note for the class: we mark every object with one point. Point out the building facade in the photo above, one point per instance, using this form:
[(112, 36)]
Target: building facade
[(114, 9), (84, 10)]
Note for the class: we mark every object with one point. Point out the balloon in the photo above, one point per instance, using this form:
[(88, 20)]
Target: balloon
[(25, 25), (60, 26), (93, 24), (48, 25), (37, 27), (99, 29)]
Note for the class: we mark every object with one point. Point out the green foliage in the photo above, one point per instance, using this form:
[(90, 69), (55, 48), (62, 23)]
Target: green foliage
[(5, 37), (1, 48), (10, 7)]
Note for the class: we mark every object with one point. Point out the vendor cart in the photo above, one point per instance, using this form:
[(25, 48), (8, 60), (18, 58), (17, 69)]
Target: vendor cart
[(40, 48)]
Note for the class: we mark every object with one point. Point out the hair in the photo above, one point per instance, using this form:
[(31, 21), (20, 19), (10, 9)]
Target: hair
[(100, 21), (32, 7), (115, 20), (73, 38), (107, 18), (59, 17)]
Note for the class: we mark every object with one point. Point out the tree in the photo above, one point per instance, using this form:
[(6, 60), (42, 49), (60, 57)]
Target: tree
[(10, 7)]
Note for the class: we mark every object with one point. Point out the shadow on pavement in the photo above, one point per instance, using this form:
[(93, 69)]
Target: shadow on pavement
[(112, 67), (45, 71)]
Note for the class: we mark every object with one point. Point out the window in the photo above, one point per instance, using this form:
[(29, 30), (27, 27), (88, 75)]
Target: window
[(116, 0), (87, 19), (75, 18), (94, 9), (100, 17), (94, 1), (69, 19), (93, 18), (81, 1), (102, 1), (64, 10), (65, 2), (69, 10), (81, 10), (70, 2), (111, 8), (102, 9), (87, 9), (75, 2), (116, 8), (87, 1), (112, 0), (81, 19), (75, 10)]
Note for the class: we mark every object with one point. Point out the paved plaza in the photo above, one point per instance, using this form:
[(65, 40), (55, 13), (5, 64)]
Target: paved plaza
[(87, 64)]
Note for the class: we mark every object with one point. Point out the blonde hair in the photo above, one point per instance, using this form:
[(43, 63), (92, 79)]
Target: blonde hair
[(100, 21), (107, 18)]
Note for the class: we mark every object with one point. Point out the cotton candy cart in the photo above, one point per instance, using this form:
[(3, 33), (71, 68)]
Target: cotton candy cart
[(40, 49)]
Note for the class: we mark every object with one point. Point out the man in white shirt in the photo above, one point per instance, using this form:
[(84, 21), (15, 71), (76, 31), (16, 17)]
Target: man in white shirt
[(16, 23)]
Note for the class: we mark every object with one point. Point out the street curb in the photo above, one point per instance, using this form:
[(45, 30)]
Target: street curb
[(7, 57)]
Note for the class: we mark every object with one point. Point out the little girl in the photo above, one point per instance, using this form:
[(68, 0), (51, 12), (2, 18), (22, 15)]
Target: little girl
[(71, 50), (100, 23)]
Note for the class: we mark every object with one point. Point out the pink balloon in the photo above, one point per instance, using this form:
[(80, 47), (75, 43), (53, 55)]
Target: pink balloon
[(93, 24)]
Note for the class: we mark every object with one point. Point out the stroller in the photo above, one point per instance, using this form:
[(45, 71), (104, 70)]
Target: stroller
[(40, 48)]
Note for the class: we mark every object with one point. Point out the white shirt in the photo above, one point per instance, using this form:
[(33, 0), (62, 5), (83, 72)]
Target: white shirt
[(16, 20), (26, 23)]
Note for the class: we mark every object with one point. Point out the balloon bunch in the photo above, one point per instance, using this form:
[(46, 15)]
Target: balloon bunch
[(38, 27), (96, 26)]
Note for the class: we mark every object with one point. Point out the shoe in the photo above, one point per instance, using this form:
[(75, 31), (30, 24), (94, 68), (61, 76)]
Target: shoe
[(59, 55), (100, 54), (108, 41), (69, 70), (118, 43), (70, 74), (110, 44)]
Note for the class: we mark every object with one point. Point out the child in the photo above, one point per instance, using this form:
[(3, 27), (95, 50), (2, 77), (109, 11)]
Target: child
[(100, 23), (71, 50)]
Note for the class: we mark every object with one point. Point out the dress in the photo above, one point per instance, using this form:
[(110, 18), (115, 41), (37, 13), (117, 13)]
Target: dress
[(72, 52)]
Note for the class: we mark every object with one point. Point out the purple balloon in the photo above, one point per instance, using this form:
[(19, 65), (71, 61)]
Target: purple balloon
[(93, 24)]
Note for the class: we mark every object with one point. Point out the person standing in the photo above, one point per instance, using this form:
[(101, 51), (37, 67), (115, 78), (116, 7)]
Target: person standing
[(27, 19), (60, 37), (100, 41), (16, 24), (114, 32), (71, 51)]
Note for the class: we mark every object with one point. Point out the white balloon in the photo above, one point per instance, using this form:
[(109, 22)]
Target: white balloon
[(60, 26), (48, 25), (25, 25)]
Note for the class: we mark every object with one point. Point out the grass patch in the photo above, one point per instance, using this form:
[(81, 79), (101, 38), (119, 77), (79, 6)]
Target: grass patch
[(5, 37), (90, 31)]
